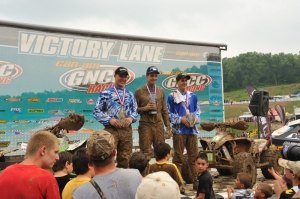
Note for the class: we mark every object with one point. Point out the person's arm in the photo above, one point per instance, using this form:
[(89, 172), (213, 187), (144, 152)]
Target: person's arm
[(174, 116), (164, 111), (200, 196), (132, 113), (229, 191), (101, 108)]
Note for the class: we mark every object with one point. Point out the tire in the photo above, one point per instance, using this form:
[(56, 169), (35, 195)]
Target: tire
[(225, 172), (243, 162), (272, 157)]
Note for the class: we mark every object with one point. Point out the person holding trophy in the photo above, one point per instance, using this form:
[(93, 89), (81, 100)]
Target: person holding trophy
[(154, 113), (116, 109), (184, 114)]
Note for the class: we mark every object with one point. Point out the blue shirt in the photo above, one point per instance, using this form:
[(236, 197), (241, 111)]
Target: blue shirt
[(108, 105), (177, 109)]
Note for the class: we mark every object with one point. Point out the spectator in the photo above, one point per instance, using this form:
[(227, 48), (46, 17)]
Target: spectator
[(153, 109), (162, 153), (82, 169), (32, 177), (158, 185), (109, 181), (263, 191), (116, 109), (292, 172), (139, 161), (62, 169), (243, 187), (205, 182)]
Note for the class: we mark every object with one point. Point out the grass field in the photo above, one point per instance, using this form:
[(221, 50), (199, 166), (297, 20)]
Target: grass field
[(235, 110)]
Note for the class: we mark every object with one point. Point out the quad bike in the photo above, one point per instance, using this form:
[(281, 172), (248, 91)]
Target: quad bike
[(73, 122), (231, 155)]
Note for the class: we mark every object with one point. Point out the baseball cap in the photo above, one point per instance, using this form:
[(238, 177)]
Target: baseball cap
[(121, 71), (182, 76), (158, 185), (294, 166), (100, 145), (152, 69)]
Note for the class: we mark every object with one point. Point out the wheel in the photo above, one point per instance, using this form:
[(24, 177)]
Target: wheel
[(272, 157), (225, 172), (243, 162)]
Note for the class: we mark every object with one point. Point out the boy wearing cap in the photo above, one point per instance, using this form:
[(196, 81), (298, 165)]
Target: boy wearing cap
[(112, 182), (184, 114), (154, 113), (116, 110), (292, 172)]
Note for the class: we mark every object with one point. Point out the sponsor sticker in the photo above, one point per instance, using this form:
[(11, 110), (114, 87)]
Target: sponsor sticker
[(75, 101), (55, 100), (91, 80), (9, 71), (198, 82), (13, 99), (31, 110), (34, 99)]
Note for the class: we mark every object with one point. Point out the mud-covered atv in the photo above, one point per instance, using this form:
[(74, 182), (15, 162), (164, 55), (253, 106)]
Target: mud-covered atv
[(231, 155)]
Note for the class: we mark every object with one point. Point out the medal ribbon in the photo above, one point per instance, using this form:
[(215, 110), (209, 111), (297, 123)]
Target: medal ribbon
[(121, 101), (150, 91)]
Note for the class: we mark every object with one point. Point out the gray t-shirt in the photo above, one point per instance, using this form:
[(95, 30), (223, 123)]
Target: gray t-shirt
[(122, 183)]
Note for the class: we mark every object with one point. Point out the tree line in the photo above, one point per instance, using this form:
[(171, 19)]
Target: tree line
[(259, 69)]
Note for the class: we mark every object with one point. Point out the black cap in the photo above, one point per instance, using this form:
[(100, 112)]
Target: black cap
[(121, 71), (182, 76), (152, 69)]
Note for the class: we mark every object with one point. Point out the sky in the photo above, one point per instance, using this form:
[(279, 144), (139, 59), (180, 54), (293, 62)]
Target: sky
[(265, 26)]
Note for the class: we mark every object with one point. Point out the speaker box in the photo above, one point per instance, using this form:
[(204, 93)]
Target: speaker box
[(259, 103)]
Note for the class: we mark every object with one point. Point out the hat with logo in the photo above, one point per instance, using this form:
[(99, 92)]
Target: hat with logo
[(182, 76), (158, 185), (121, 71), (100, 145), (294, 166), (152, 69)]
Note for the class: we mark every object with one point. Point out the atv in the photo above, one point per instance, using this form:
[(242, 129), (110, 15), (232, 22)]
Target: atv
[(230, 154)]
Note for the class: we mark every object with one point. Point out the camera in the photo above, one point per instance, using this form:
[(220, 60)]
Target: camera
[(291, 151)]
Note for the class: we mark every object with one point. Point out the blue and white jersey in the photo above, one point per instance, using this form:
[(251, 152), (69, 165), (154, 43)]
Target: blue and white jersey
[(177, 104), (108, 105)]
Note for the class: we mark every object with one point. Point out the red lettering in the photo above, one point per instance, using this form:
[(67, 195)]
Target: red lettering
[(98, 88)]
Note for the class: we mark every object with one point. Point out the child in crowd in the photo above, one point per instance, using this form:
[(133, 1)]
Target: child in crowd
[(205, 181), (162, 153), (62, 169), (139, 161), (83, 171), (263, 191), (243, 187)]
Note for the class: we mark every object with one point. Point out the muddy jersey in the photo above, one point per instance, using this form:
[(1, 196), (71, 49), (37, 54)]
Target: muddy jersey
[(109, 105), (142, 98), (178, 104)]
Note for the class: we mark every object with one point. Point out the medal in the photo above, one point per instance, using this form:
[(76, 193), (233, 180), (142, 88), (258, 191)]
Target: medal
[(121, 114)]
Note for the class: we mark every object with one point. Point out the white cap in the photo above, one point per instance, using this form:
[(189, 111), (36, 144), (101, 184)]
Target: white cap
[(158, 185)]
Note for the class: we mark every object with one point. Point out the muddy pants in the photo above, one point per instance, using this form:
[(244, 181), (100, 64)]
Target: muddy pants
[(150, 133), (123, 143), (190, 142)]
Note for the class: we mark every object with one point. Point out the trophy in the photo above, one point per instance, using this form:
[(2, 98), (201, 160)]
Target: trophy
[(152, 100), (122, 117), (191, 118)]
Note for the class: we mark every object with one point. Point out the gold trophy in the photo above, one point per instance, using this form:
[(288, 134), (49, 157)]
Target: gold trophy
[(191, 118), (152, 100), (122, 117)]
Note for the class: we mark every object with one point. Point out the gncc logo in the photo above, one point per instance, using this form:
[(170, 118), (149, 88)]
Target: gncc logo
[(91, 80), (9, 71), (197, 82)]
